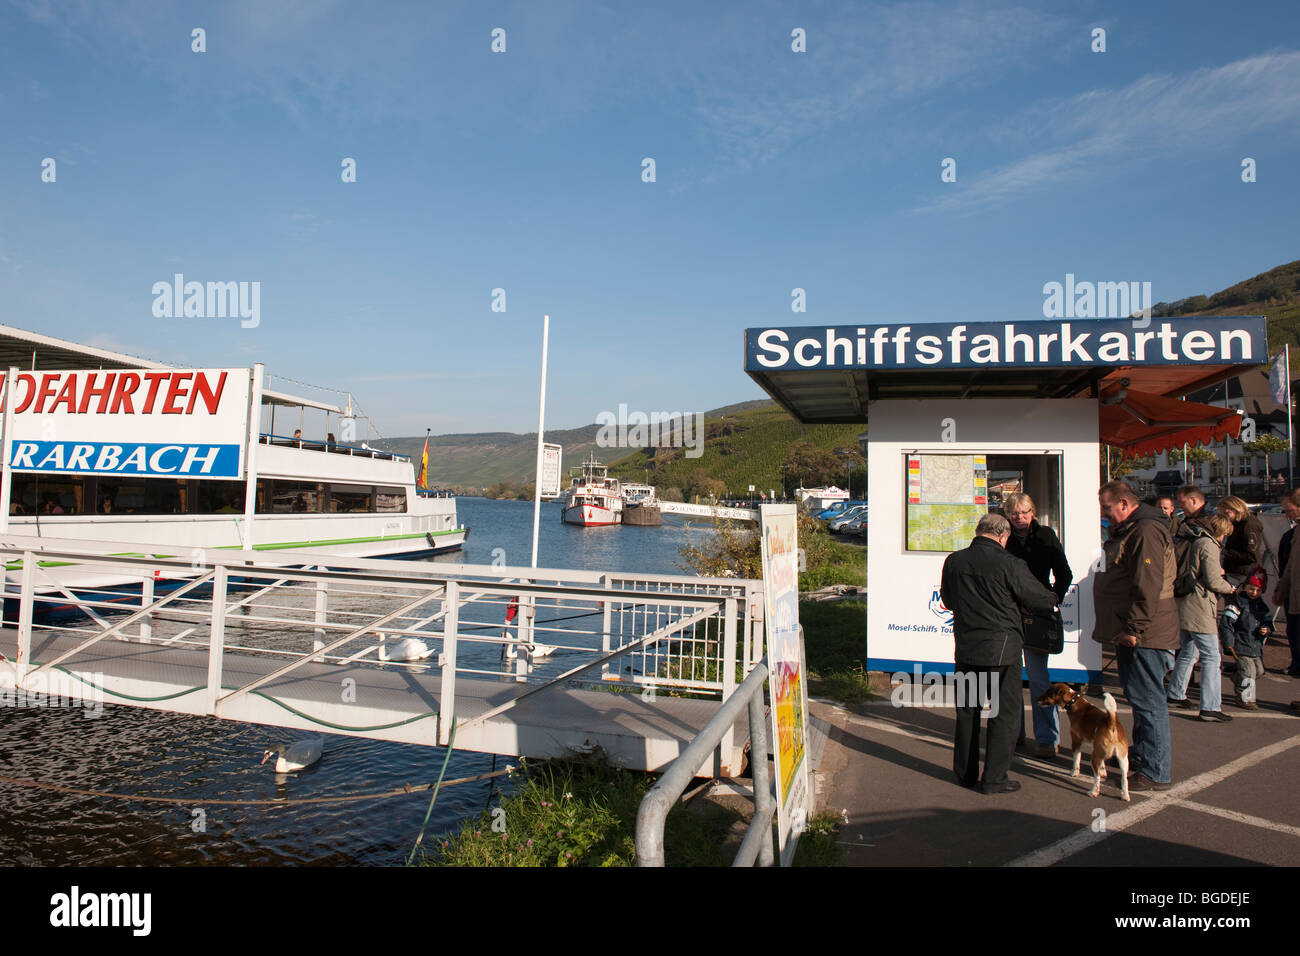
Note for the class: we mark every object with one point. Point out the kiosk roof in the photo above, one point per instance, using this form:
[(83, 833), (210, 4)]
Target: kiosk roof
[(827, 374)]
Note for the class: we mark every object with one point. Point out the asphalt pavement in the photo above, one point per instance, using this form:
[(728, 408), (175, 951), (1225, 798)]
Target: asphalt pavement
[(886, 772)]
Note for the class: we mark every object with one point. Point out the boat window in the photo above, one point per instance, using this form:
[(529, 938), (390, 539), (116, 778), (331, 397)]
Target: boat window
[(391, 499), (293, 497), (46, 495), (350, 498), (220, 497), (141, 496)]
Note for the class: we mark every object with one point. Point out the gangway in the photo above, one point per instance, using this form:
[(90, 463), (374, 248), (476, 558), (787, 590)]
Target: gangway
[(518, 661)]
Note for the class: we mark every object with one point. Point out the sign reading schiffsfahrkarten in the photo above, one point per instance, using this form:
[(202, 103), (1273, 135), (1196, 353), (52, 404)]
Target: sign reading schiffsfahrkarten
[(1046, 344), (159, 423)]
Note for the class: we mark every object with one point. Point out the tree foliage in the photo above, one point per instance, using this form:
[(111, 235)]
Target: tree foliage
[(1196, 454), (1266, 444), (808, 466)]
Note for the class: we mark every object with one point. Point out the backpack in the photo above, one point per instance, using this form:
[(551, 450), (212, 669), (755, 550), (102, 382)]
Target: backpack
[(1185, 577)]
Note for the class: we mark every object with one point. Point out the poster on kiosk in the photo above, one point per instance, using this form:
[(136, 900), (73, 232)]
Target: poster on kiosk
[(787, 676), (936, 467)]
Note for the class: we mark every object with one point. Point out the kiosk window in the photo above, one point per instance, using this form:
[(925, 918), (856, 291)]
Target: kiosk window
[(1038, 476), (948, 494)]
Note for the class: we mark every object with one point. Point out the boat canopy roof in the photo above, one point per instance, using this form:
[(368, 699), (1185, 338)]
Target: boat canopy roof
[(32, 351)]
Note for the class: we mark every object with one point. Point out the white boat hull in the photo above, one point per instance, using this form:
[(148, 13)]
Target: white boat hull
[(590, 515)]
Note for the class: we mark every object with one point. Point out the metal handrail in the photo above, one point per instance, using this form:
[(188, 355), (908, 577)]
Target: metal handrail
[(652, 815), (408, 587)]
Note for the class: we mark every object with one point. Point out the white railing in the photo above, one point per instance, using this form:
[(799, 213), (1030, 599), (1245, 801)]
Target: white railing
[(673, 633)]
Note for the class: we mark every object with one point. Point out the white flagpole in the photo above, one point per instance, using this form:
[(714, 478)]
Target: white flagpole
[(1290, 451), (541, 421)]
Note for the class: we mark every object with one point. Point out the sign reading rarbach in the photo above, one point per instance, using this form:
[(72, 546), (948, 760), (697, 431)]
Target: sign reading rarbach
[(144, 422), (1046, 344)]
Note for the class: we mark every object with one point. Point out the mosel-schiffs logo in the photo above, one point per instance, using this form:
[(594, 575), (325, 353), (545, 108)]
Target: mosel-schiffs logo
[(938, 609)]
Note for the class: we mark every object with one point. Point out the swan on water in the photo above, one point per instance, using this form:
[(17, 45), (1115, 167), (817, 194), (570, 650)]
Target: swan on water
[(304, 753)]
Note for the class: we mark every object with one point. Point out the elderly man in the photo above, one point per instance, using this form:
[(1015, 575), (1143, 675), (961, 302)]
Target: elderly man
[(1287, 593), (1138, 615), (984, 587)]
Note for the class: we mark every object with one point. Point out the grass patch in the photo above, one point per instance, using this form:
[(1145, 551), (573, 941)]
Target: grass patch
[(817, 843), (835, 635), (832, 562), (578, 812)]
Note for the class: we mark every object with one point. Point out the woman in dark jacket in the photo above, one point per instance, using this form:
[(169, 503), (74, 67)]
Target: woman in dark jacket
[(1040, 548), (1244, 549)]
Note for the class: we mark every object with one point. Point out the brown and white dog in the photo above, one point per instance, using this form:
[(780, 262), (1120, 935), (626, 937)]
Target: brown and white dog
[(1101, 727)]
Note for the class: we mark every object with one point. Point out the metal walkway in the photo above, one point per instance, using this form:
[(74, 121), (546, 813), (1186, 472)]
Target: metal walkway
[(388, 650)]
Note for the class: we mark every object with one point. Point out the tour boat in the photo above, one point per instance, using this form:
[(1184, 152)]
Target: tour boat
[(593, 498), (120, 472)]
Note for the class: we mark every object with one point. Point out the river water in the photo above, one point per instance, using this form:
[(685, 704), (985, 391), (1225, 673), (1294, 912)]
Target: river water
[(196, 760)]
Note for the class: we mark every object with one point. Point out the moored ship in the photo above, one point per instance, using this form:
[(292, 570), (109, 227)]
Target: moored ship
[(593, 498), (109, 447)]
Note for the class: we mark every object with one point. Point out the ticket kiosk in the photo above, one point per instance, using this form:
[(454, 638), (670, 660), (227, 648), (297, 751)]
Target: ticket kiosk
[(960, 415)]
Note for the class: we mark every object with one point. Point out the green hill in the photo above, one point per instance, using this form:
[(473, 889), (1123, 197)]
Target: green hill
[(1274, 294), (477, 461), (741, 449)]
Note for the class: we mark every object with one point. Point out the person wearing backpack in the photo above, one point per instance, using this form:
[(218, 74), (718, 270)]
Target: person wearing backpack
[(1197, 548)]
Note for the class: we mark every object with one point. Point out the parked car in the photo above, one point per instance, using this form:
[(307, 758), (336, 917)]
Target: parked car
[(839, 523), (839, 509), (856, 525)]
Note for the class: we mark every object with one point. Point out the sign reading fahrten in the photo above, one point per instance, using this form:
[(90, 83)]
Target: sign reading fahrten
[(143, 422)]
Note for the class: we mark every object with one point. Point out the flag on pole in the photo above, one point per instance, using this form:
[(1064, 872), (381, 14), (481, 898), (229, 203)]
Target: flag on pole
[(424, 464), (1277, 379)]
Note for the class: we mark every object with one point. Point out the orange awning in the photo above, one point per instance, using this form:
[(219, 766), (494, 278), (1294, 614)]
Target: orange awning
[(1140, 423)]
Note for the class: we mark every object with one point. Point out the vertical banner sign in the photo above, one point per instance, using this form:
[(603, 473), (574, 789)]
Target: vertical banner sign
[(787, 677), (550, 478)]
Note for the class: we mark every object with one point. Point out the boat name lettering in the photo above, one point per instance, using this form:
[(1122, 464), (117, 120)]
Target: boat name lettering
[(127, 458), (165, 392)]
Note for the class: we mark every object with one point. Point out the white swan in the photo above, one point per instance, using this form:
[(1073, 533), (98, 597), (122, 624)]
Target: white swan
[(304, 753), (540, 650), (407, 649)]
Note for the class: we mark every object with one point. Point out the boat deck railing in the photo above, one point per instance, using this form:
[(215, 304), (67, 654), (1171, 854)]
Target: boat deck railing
[(285, 441)]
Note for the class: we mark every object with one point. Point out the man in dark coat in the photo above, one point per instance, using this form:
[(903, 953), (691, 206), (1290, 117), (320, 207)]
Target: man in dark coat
[(1138, 615), (984, 587)]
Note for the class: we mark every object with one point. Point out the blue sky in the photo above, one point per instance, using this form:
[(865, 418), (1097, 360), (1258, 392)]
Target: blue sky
[(522, 170)]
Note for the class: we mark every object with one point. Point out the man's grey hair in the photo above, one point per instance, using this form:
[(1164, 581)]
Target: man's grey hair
[(993, 524)]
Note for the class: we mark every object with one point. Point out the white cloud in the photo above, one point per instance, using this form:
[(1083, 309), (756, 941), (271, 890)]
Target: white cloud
[(1153, 115)]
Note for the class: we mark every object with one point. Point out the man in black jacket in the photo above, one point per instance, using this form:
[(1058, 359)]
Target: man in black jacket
[(984, 587)]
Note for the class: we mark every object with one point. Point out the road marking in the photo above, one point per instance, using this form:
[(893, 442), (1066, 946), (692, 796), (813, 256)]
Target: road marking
[(1240, 817), (902, 732), (1123, 819)]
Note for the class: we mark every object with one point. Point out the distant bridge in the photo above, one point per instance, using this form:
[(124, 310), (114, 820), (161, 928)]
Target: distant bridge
[(708, 511)]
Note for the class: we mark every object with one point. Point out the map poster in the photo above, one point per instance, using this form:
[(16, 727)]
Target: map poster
[(786, 673), (946, 497)]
